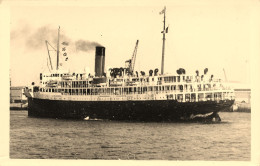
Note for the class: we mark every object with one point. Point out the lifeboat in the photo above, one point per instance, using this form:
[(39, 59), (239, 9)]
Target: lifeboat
[(52, 83)]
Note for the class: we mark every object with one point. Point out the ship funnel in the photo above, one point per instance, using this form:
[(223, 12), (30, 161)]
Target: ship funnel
[(100, 61)]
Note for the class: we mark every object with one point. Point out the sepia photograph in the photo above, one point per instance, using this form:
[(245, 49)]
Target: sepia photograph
[(131, 80)]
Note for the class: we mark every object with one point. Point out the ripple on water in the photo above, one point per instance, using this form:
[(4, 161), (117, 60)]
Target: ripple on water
[(68, 139)]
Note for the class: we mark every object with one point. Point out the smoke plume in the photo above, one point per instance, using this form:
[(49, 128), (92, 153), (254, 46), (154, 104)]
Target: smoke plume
[(36, 39), (85, 46)]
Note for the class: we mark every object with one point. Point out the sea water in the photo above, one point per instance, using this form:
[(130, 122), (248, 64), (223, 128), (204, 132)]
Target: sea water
[(37, 138)]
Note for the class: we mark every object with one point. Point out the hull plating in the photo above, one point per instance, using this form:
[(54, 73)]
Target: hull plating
[(157, 110)]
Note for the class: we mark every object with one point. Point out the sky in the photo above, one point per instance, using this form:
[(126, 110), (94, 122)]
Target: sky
[(202, 34)]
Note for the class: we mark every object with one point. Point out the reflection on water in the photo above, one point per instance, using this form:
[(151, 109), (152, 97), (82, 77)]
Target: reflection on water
[(69, 139)]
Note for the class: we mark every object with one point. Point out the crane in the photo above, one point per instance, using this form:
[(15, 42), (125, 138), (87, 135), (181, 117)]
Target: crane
[(131, 62)]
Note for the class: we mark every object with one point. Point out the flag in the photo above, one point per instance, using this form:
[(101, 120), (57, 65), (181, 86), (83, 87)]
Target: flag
[(65, 43), (165, 31), (163, 11)]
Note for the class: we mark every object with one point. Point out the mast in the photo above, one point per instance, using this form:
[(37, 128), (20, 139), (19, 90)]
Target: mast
[(163, 46), (58, 48)]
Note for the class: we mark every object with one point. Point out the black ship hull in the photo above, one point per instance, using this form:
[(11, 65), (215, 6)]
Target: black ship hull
[(153, 110)]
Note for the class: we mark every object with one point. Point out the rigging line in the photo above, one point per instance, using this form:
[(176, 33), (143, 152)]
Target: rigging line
[(51, 46), (48, 53), (48, 65)]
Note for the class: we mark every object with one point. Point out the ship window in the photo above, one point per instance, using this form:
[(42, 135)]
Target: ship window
[(193, 97), (179, 97), (139, 90), (171, 79), (108, 91), (130, 90), (200, 96), (150, 88), (187, 97), (117, 91), (156, 88), (178, 78)]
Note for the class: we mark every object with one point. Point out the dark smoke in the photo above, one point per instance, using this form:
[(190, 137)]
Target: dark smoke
[(83, 45), (36, 39)]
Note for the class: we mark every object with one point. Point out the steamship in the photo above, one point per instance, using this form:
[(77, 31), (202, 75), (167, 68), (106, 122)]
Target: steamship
[(125, 94)]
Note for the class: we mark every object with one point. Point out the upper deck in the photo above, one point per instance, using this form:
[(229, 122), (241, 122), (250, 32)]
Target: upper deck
[(162, 87)]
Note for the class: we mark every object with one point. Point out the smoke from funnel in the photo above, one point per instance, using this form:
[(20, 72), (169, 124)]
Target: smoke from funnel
[(85, 46), (36, 39)]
